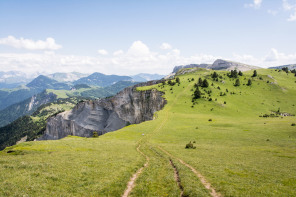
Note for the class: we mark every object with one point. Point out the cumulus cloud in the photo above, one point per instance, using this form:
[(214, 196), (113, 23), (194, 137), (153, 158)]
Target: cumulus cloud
[(21, 43), (137, 59), (272, 56), (278, 58), (138, 48), (290, 8), (102, 52), (256, 4), (165, 46)]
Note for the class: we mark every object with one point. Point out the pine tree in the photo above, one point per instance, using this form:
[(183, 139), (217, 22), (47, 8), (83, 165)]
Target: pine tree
[(199, 82), (240, 73), (178, 80), (205, 83), (215, 75), (197, 93), (249, 82), (237, 83), (254, 74)]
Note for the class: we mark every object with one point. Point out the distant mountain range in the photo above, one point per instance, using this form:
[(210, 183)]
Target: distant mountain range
[(17, 86), (42, 82), (67, 77), (80, 91), (102, 80), (143, 77), (13, 79)]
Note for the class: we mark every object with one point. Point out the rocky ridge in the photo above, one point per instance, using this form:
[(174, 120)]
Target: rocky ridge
[(127, 107), (219, 64)]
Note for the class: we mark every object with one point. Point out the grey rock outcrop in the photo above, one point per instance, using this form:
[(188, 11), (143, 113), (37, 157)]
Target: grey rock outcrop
[(127, 107), (230, 65), (219, 64), (177, 68)]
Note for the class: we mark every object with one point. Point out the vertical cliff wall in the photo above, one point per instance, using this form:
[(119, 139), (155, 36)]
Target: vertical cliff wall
[(127, 107)]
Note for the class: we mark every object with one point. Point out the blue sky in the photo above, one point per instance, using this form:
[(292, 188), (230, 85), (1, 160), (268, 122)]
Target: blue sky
[(124, 37)]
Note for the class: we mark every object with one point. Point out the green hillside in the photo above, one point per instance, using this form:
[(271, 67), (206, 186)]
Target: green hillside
[(241, 137), (33, 126)]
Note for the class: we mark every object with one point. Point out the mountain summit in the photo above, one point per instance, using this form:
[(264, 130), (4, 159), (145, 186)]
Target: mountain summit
[(42, 82), (99, 79), (219, 64)]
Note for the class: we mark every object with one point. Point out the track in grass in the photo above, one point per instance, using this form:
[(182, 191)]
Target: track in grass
[(131, 183), (203, 180), (177, 178)]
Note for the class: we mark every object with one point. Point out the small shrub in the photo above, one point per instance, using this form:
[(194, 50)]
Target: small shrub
[(210, 120), (225, 102), (95, 134), (293, 124), (190, 146)]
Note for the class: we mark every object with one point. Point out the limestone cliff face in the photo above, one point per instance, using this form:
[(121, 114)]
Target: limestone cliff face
[(105, 115)]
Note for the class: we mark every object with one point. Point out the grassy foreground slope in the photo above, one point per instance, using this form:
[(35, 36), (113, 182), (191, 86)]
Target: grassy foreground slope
[(237, 152)]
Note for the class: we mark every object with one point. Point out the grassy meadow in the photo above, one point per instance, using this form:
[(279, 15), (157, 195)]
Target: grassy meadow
[(238, 152)]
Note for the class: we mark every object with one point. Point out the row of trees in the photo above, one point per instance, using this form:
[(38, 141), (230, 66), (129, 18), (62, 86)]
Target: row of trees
[(202, 83), (234, 74), (172, 83)]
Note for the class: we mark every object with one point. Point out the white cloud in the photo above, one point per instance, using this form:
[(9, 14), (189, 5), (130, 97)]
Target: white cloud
[(290, 8), (103, 52), (138, 48), (272, 56), (165, 46), (177, 51), (292, 16), (256, 4), (119, 52), (287, 5), (137, 59), (48, 44)]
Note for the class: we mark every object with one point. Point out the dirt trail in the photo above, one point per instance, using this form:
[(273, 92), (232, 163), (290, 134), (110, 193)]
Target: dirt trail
[(131, 183), (203, 180), (177, 178)]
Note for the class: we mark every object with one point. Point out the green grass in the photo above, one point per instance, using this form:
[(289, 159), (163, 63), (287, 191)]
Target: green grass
[(238, 152), (69, 167)]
